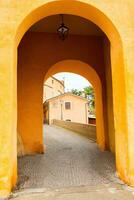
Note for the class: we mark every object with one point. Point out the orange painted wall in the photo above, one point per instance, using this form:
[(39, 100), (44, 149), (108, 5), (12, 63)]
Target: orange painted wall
[(36, 54), (109, 96)]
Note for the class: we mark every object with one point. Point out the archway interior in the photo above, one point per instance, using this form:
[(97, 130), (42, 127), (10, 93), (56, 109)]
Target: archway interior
[(40, 49)]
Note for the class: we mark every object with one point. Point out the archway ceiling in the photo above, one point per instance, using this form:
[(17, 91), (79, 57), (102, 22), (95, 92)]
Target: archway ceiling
[(77, 25)]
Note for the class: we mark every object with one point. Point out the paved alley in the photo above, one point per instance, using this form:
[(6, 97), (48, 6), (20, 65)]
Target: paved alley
[(72, 168), (69, 160)]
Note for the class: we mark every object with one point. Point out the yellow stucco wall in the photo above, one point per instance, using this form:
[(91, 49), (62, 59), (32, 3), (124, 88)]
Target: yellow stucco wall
[(15, 18)]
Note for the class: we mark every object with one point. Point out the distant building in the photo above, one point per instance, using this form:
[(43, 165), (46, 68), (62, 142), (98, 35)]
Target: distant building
[(67, 107), (52, 87)]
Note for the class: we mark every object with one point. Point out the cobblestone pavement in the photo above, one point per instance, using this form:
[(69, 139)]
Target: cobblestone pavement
[(69, 160)]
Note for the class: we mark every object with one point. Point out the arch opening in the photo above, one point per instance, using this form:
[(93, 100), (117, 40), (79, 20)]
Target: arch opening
[(83, 69), (92, 56), (85, 50)]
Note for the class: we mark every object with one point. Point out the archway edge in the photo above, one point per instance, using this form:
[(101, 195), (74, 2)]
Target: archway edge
[(85, 70), (87, 10), (77, 67)]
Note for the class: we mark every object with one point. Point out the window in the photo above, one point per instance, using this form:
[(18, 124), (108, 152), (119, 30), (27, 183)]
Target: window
[(67, 105)]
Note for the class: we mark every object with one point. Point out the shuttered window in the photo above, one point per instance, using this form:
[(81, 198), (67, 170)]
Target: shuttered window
[(67, 105)]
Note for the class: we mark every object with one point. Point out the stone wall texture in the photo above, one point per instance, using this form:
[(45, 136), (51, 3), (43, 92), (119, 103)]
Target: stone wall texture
[(86, 130)]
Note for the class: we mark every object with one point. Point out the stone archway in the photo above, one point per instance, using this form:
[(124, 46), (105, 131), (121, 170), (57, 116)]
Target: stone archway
[(96, 13)]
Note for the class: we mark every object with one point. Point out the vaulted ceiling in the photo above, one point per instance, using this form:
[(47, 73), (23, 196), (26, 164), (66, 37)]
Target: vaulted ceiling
[(76, 24)]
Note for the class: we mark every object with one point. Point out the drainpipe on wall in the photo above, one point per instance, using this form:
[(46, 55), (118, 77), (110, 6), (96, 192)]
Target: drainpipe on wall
[(61, 103), (86, 104)]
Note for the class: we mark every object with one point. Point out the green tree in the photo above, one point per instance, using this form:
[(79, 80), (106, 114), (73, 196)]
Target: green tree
[(76, 92), (89, 94)]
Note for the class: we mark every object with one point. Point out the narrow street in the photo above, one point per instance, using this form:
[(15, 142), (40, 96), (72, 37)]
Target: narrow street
[(70, 160), (71, 163)]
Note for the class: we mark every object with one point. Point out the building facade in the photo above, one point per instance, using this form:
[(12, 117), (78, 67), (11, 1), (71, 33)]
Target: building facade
[(52, 87), (67, 107)]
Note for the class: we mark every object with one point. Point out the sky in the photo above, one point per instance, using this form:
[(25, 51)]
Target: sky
[(72, 81)]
